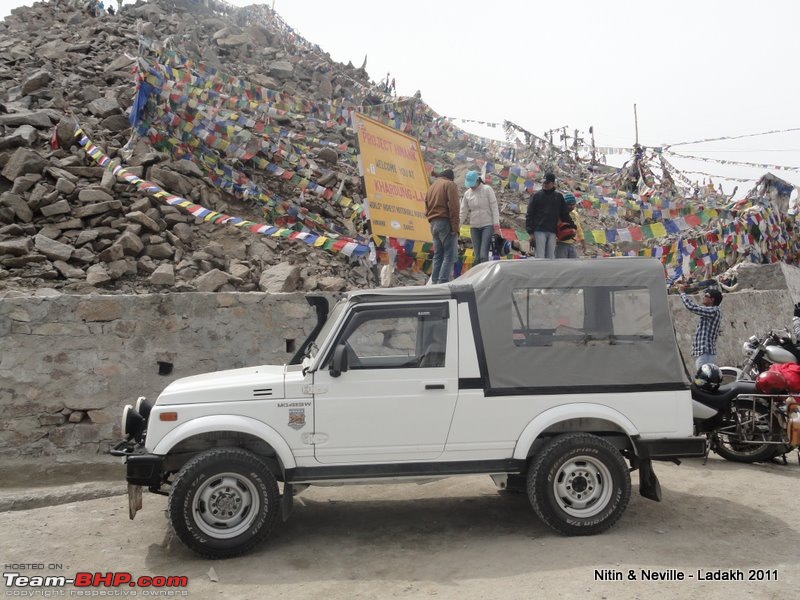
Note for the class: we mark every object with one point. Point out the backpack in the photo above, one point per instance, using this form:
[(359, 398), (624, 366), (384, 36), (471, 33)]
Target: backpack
[(565, 231), (790, 372), (498, 246)]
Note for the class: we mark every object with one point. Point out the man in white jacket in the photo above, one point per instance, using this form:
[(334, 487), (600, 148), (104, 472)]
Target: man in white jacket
[(479, 209)]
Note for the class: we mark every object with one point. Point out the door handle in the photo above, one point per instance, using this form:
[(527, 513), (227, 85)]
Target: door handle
[(434, 386)]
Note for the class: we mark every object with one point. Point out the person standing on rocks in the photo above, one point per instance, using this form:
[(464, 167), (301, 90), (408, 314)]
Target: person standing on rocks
[(567, 235), (479, 209), (545, 208), (442, 212)]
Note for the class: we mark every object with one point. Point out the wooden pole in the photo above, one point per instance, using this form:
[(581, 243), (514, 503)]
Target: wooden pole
[(575, 141), (636, 123)]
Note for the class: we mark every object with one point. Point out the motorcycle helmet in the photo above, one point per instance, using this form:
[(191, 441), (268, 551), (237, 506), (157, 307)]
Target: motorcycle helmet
[(771, 382), (708, 377)]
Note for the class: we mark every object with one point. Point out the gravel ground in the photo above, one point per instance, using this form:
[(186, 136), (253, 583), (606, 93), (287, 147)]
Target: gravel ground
[(455, 538)]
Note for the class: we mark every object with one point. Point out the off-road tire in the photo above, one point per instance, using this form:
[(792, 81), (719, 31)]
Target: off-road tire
[(576, 469), (224, 502)]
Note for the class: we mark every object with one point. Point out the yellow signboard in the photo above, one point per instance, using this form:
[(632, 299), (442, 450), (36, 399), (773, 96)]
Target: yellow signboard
[(395, 180)]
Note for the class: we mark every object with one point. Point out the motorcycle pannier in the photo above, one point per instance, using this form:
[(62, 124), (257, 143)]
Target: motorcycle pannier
[(793, 423)]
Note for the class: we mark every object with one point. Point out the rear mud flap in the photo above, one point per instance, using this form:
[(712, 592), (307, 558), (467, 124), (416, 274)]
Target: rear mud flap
[(649, 486)]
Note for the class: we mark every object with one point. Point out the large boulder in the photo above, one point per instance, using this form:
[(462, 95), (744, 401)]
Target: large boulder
[(18, 205), (39, 79), (211, 281), (283, 277), (24, 135), (23, 161)]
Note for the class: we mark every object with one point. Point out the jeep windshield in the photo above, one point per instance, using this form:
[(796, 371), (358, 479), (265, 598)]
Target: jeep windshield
[(323, 334)]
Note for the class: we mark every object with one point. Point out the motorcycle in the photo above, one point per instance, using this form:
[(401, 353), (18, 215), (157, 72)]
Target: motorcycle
[(747, 421), (774, 347)]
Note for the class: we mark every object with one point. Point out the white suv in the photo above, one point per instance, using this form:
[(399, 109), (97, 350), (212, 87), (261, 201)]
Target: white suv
[(549, 375)]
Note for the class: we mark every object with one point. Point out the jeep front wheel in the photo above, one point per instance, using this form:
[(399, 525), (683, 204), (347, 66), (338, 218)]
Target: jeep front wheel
[(579, 484), (224, 502)]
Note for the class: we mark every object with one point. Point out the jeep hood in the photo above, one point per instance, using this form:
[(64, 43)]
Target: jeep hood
[(234, 385)]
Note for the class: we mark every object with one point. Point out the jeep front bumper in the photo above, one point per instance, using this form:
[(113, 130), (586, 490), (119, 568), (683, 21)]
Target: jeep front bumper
[(142, 468)]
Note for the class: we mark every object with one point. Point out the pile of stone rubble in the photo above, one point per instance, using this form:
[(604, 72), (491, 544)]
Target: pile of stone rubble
[(69, 225)]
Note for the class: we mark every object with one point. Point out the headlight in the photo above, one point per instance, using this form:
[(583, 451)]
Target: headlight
[(132, 423), (143, 407), (748, 349)]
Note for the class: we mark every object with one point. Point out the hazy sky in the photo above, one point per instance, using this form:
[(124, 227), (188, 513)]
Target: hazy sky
[(695, 68)]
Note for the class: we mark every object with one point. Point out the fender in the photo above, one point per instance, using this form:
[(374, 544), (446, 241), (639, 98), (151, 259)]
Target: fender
[(237, 423), (565, 413)]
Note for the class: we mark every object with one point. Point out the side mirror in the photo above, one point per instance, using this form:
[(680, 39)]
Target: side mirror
[(339, 361)]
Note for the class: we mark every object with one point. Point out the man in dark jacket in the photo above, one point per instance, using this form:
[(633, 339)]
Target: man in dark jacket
[(442, 211), (545, 208)]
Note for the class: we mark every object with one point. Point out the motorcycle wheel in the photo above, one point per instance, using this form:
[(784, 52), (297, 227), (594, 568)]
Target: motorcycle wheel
[(755, 425)]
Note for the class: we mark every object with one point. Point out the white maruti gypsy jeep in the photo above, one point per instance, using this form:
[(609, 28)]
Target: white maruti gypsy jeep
[(552, 376)]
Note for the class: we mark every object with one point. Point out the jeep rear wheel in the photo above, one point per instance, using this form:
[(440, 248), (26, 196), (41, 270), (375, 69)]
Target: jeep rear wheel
[(579, 484), (224, 502)]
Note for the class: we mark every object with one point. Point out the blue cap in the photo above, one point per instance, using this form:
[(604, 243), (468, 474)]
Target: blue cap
[(471, 179), (570, 198)]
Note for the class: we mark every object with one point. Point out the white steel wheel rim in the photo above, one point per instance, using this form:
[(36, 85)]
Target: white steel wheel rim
[(226, 505), (582, 486)]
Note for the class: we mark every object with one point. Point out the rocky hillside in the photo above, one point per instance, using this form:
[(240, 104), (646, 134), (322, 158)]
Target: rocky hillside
[(68, 224), (239, 171)]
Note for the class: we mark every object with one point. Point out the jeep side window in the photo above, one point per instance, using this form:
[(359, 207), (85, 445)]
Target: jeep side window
[(381, 339), (595, 315), (543, 316), (632, 315), (434, 336)]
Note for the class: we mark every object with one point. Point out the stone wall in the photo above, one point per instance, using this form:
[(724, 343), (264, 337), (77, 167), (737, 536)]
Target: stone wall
[(68, 364), (764, 300), (743, 314)]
